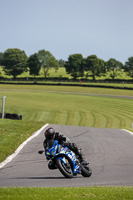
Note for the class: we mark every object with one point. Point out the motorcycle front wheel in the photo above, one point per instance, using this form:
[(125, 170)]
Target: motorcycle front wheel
[(86, 171), (65, 169)]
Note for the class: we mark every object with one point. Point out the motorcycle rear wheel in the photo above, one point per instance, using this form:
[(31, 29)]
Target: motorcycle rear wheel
[(86, 171), (66, 170)]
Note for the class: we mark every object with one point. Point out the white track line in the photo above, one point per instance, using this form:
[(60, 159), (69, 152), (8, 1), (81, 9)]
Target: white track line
[(128, 131), (9, 158)]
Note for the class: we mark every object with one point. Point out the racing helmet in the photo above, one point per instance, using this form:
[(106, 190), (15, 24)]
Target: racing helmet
[(49, 133)]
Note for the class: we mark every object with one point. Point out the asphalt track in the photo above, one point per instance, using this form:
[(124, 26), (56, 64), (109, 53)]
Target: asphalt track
[(109, 152)]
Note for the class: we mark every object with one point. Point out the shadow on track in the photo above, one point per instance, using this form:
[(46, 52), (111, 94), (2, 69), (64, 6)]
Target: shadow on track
[(45, 178)]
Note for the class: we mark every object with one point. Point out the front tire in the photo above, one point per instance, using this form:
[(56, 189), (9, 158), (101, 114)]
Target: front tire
[(66, 170), (86, 171)]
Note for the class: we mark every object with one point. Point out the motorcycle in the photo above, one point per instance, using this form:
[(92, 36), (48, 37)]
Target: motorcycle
[(66, 160)]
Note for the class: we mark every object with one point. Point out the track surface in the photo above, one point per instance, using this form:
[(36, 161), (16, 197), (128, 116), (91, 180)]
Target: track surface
[(109, 151)]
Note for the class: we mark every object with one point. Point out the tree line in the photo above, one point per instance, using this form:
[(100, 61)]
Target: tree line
[(15, 62)]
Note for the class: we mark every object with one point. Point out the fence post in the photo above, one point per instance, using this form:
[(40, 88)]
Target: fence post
[(3, 106)]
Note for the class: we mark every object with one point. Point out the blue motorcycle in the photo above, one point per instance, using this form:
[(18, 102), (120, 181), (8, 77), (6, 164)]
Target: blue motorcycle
[(66, 160)]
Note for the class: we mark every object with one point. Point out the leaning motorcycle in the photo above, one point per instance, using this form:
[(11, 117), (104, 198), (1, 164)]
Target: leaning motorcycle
[(66, 160)]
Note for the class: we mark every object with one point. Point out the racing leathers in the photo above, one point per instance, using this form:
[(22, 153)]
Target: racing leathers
[(63, 140)]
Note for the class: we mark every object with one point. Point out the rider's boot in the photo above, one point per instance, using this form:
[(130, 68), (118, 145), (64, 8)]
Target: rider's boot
[(82, 158)]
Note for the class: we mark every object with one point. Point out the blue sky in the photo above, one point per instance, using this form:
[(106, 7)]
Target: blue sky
[(64, 27)]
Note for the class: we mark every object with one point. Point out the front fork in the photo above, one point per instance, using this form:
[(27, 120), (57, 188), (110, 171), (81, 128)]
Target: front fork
[(75, 164)]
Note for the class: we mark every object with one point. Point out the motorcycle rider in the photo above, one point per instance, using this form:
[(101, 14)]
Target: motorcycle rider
[(50, 134)]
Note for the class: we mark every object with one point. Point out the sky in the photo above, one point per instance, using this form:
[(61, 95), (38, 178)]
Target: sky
[(90, 27)]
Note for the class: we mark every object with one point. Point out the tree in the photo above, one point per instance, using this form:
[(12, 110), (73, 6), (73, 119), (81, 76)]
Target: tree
[(1, 57), (95, 65), (129, 66), (114, 67), (73, 65), (34, 65), (14, 62), (62, 63), (47, 61)]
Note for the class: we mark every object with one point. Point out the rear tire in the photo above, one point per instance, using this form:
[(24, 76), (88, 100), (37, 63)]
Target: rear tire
[(86, 171), (66, 170)]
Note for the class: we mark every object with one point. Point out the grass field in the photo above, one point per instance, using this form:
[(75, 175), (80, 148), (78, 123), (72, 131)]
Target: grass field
[(39, 105), (77, 106), (61, 72), (91, 193), (13, 133), (46, 104)]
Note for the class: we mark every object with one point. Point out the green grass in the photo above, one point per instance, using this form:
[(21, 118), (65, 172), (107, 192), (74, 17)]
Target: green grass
[(13, 133), (39, 105), (61, 72), (73, 89), (75, 83), (69, 109), (74, 193)]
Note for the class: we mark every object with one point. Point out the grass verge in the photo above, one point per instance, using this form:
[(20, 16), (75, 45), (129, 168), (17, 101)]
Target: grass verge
[(70, 89), (13, 133), (91, 193), (74, 83)]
